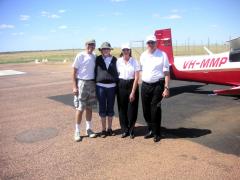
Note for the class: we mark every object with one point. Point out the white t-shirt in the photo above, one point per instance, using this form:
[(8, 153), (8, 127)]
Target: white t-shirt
[(154, 65), (85, 64), (127, 70), (107, 61)]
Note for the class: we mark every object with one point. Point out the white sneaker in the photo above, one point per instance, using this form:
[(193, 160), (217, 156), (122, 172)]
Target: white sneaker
[(77, 136), (90, 133)]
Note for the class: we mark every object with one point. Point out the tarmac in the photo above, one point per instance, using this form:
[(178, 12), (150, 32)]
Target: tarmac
[(201, 133)]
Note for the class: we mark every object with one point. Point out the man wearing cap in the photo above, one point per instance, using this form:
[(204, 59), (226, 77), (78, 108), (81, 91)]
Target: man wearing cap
[(84, 88), (155, 86)]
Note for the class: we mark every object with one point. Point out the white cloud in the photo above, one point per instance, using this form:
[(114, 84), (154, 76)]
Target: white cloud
[(118, 1), (63, 27), (61, 11), (49, 15), (45, 13), (214, 26), (18, 33), (173, 16), (117, 13), (53, 16), (156, 15), (24, 17), (6, 26), (174, 11)]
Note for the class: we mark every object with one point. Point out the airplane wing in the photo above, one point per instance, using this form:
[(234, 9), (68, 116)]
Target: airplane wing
[(232, 91)]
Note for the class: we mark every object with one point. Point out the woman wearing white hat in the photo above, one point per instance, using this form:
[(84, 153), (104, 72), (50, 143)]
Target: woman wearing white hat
[(155, 86), (128, 93)]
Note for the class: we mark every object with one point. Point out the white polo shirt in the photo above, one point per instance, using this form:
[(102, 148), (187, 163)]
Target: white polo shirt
[(154, 65), (85, 64), (127, 70)]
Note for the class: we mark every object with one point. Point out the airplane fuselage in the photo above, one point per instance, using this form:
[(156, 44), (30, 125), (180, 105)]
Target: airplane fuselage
[(215, 68)]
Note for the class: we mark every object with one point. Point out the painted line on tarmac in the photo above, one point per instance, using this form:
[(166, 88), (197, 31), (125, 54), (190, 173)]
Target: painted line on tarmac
[(35, 85), (10, 72)]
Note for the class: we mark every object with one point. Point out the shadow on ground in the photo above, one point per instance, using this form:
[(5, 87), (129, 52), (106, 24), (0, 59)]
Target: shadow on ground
[(171, 133)]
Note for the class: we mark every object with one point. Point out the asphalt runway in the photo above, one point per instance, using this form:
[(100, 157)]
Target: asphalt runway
[(193, 112), (201, 133)]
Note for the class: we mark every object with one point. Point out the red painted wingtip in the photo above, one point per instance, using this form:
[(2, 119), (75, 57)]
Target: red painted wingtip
[(232, 91)]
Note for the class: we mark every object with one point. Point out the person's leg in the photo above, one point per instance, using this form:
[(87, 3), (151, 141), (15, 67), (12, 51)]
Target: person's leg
[(132, 113), (123, 98), (80, 109), (111, 92), (146, 94), (78, 120), (102, 100), (156, 112), (89, 130)]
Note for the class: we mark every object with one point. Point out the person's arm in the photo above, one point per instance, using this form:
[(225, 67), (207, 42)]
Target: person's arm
[(135, 85), (74, 80), (166, 91)]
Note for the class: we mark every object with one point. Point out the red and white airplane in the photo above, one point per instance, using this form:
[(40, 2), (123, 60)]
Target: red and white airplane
[(222, 68)]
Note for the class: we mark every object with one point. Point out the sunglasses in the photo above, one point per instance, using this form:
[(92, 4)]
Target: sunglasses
[(104, 49), (91, 44), (126, 50), (151, 42)]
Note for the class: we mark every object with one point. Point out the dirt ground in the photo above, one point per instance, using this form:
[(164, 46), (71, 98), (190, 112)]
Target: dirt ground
[(36, 138)]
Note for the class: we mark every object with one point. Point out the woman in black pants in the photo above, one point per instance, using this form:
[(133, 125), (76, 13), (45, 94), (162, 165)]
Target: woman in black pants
[(128, 93)]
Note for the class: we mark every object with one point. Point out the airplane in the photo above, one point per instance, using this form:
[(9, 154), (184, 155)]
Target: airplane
[(222, 68)]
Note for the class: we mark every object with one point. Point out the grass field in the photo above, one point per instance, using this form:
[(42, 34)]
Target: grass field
[(68, 55)]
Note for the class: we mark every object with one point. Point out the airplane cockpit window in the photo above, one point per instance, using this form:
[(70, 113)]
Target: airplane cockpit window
[(235, 56)]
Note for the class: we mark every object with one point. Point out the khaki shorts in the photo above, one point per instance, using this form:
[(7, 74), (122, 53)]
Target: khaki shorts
[(86, 94)]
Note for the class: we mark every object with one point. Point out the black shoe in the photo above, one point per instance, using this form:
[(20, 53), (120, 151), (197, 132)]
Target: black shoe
[(148, 135), (125, 134), (131, 133), (110, 132), (132, 136), (103, 134), (156, 138)]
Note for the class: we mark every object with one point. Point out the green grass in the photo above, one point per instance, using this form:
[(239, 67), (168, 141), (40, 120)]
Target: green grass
[(69, 55)]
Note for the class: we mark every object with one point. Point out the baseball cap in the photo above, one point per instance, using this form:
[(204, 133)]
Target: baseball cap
[(125, 46), (151, 38), (90, 41)]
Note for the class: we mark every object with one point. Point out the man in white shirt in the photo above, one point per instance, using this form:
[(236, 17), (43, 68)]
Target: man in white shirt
[(155, 86), (84, 89)]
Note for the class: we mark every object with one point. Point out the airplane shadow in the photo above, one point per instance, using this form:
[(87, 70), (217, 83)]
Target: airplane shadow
[(174, 91), (171, 133), (188, 89)]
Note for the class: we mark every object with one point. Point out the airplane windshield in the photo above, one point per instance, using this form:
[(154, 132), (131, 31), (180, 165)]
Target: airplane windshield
[(235, 56)]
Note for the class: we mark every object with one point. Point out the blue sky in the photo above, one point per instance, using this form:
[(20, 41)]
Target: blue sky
[(66, 24)]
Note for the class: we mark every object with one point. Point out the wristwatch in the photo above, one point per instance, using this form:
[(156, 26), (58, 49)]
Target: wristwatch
[(166, 87)]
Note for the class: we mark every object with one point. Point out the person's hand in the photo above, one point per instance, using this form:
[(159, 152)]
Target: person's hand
[(166, 93), (132, 97), (75, 91)]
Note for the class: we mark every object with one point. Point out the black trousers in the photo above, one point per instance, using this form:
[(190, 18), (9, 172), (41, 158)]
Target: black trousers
[(151, 94), (127, 110)]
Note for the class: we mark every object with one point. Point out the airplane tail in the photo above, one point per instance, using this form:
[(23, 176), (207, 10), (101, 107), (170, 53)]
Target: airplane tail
[(164, 42)]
